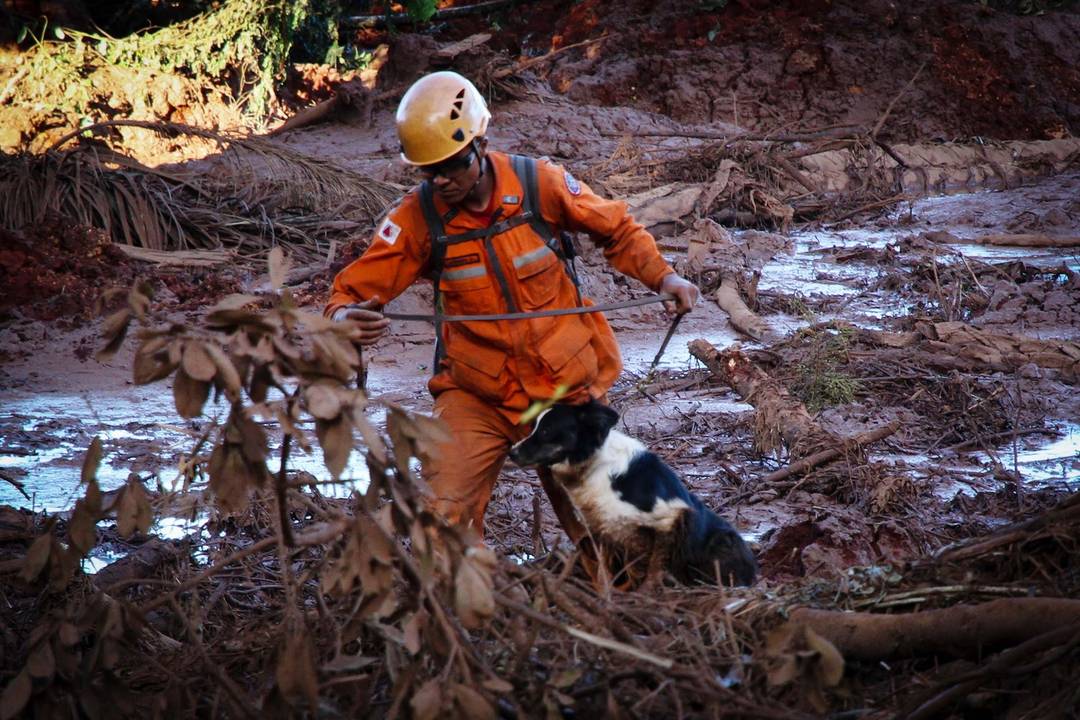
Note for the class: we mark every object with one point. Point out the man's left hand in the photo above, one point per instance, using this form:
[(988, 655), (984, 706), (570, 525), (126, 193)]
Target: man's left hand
[(685, 292)]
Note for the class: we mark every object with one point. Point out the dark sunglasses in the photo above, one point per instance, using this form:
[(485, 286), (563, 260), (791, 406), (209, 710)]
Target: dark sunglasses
[(449, 169)]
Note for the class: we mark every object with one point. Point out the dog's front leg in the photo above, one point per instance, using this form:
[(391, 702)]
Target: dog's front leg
[(657, 561)]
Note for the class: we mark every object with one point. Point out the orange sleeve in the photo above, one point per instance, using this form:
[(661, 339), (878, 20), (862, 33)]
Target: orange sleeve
[(396, 258), (569, 203)]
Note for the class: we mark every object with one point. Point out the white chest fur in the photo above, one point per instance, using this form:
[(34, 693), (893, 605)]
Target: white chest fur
[(606, 513)]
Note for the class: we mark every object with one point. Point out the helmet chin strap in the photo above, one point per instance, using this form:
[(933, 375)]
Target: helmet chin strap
[(483, 163)]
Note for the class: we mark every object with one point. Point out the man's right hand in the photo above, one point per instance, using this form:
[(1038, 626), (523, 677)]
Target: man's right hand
[(369, 324)]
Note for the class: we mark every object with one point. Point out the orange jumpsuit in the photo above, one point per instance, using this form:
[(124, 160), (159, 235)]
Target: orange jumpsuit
[(493, 370)]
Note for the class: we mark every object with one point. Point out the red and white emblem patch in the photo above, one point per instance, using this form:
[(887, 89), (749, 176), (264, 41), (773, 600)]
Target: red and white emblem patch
[(572, 184), (389, 231)]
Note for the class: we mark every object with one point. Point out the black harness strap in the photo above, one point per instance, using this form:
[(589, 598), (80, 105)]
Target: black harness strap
[(563, 245), (437, 230)]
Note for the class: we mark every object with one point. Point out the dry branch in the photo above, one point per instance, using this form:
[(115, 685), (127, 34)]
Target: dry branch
[(742, 318), (779, 413), (819, 458), (961, 630)]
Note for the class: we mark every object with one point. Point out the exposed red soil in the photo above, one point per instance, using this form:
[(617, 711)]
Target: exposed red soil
[(56, 271), (769, 65)]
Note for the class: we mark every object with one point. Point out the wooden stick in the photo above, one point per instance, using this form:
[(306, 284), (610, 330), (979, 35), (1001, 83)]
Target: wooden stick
[(824, 456)]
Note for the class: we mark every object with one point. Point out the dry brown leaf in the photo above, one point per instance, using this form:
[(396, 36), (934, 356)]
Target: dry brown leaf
[(83, 526), (37, 557), (371, 436), (116, 327), (252, 438), (471, 704), (296, 670), (227, 319), (69, 634), (92, 461), (473, 598), (322, 402), (196, 361), (190, 394), (261, 382), (230, 480), (139, 298), (134, 510), (339, 357), (151, 361), (427, 702), (335, 437), (227, 374)]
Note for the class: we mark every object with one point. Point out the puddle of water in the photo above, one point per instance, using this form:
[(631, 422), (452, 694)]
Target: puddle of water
[(1041, 464), (64, 425)]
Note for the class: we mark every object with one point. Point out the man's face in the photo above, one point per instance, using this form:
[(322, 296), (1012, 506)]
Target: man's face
[(456, 176)]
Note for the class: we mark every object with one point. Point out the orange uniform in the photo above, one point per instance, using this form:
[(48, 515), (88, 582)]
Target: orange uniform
[(506, 364)]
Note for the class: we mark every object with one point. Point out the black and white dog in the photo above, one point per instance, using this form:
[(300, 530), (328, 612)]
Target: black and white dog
[(631, 499)]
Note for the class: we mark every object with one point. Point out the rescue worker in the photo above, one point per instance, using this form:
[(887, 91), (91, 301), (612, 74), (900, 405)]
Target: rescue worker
[(497, 256)]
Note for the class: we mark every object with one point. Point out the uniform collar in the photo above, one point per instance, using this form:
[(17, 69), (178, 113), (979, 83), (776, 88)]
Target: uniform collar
[(508, 194)]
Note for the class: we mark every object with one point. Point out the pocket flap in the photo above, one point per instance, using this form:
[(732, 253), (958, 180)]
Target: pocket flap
[(534, 262), (562, 345), (487, 360)]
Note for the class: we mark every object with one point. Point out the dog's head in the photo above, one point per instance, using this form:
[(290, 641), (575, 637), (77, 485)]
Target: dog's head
[(566, 434)]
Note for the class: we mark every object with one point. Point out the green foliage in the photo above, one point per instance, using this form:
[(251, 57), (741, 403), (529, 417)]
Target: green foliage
[(421, 10), (317, 38), (243, 42), (820, 381)]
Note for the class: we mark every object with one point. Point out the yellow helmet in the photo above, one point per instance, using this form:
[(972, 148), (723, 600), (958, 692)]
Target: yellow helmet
[(440, 114)]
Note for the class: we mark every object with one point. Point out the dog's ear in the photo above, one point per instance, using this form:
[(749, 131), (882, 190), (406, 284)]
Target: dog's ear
[(599, 419)]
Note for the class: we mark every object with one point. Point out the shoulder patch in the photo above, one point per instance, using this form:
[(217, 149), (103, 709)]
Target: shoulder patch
[(571, 183), (389, 231)]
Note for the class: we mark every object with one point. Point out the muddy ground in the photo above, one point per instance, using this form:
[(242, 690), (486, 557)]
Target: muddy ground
[(859, 310)]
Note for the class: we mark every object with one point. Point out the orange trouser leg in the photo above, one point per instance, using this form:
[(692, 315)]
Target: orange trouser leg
[(464, 474)]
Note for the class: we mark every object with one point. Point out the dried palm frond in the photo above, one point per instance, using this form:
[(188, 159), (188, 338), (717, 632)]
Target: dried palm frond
[(251, 196)]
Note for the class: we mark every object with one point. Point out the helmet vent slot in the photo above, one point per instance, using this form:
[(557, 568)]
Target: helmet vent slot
[(458, 135), (460, 95), (454, 114)]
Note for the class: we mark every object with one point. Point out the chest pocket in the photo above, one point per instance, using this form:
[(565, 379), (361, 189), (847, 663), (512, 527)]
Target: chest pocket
[(539, 274), (466, 286)]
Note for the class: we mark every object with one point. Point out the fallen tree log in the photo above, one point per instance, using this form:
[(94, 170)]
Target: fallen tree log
[(959, 631), (781, 417), (742, 317), (959, 346), (1002, 352)]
